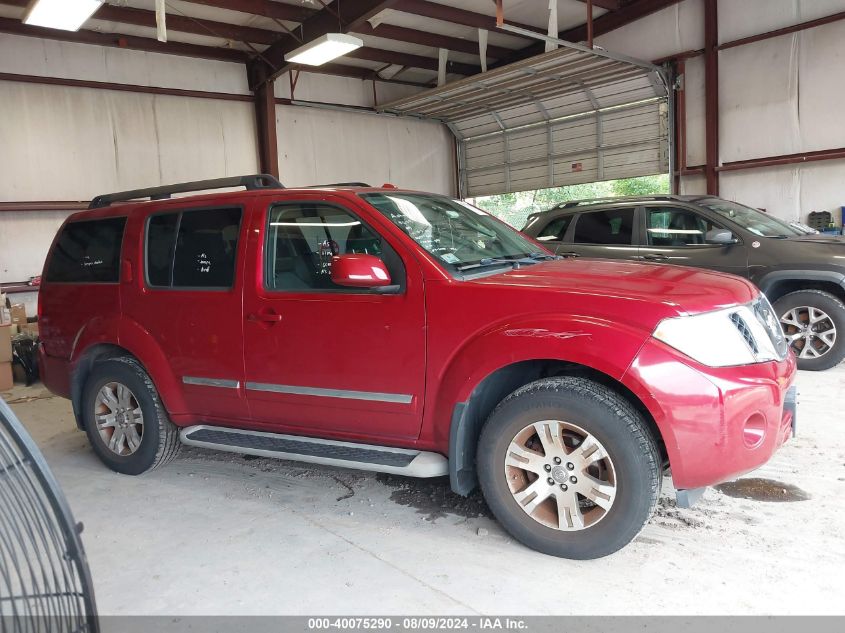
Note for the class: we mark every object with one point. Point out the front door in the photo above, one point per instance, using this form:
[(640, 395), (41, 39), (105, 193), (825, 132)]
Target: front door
[(322, 358), (676, 235)]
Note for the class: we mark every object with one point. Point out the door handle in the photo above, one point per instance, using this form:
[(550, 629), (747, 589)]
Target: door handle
[(656, 257), (264, 317), (569, 254)]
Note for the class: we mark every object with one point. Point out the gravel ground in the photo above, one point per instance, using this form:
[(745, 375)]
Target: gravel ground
[(217, 533)]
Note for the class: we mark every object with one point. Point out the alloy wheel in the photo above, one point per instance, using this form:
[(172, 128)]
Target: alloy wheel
[(810, 331), (560, 475), (119, 419)]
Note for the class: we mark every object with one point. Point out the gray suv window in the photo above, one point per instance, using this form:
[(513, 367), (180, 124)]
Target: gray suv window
[(556, 229), (611, 226), (673, 226)]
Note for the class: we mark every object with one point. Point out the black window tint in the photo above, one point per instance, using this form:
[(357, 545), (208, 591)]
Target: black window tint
[(88, 252), (302, 238), (556, 229), (206, 248), (161, 239), (614, 226), (668, 226)]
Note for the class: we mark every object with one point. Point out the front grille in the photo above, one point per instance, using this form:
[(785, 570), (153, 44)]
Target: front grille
[(745, 331)]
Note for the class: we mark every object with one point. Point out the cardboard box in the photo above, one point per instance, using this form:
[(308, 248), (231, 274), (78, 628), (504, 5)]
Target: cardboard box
[(18, 374), (6, 381), (18, 312), (5, 343), (30, 328)]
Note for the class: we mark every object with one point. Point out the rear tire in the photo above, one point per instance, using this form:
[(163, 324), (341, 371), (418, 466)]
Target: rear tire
[(814, 324), (614, 488), (124, 419)]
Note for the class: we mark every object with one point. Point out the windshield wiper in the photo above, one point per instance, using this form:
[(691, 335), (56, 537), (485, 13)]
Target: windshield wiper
[(515, 262)]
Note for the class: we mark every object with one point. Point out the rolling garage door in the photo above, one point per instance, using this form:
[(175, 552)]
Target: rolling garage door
[(572, 115)]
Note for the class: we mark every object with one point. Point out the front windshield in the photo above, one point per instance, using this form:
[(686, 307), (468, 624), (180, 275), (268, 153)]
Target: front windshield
[(750, 219), (456, 233)]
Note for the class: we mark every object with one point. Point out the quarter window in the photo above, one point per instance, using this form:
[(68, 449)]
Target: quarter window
[(613, 226), (303, 237), (193, 249), (88, 252), (673, 227)]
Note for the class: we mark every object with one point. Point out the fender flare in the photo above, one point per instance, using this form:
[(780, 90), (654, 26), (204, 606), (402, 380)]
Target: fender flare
[(474, 379), (768, 280), (128, 335)]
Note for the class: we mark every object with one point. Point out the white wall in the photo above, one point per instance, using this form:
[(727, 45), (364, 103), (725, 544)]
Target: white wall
[(322, 146), (777, 96)]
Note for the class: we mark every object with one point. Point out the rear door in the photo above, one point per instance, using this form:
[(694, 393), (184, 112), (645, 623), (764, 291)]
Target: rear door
[(675, 234), (321, 358), (609, 233), (188, 298)]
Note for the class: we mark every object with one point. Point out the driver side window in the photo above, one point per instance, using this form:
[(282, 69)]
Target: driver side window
[(674, 227), (303, 237)]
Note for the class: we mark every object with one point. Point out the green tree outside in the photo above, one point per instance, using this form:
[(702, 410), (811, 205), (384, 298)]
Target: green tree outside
[(514, 208)]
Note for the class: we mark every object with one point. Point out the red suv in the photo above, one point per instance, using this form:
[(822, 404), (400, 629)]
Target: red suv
[(410, 333)]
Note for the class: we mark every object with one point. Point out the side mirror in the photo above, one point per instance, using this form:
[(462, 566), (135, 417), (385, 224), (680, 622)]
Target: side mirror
[(719, 236), (359, 271)]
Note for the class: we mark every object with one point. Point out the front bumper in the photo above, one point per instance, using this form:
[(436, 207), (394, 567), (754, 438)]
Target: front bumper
[(716, 423)]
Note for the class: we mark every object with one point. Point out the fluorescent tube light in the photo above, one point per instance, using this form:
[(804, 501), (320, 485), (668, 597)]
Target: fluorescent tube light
[(67, 15), (324, 49)]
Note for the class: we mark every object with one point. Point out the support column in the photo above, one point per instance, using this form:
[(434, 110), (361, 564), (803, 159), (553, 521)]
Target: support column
[(265, 125), (711, 96)]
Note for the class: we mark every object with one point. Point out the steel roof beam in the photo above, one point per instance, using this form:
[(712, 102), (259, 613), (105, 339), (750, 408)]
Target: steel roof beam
[(267, 8), (445, 13), (427, 38), (16, 27)]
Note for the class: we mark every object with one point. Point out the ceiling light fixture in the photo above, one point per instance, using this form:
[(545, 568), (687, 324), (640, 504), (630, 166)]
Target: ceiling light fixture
[(67, 15), (324, 49)]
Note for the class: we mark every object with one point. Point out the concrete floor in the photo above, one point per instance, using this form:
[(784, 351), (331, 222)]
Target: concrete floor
[(215, 533)]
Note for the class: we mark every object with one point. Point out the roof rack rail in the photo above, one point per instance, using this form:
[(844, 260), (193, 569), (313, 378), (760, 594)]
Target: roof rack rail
[(251, 182), (339, 184), (587, 201)]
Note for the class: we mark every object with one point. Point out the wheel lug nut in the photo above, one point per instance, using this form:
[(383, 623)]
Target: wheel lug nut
[(570, 466), (557, 460), (551, 481), (547, 467), (574, 480), (564, 487)]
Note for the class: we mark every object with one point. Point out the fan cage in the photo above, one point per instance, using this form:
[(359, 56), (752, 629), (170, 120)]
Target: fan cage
[(45, 583)]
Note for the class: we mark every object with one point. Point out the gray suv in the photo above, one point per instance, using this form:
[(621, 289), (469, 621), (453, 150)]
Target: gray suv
[(803, 274)]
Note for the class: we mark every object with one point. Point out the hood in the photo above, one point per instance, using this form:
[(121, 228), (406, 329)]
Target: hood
[(820, 238), (676, 289)]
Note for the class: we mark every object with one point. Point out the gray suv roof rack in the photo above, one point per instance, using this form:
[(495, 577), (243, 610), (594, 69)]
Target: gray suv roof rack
[(251, 182)]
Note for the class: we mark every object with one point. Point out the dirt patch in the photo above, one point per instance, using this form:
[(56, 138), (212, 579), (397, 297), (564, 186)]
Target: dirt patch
[(669, 515), (760, 489), (433, 498)]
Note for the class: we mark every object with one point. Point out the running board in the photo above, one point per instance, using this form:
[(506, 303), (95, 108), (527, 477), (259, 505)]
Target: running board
[(382, 459)]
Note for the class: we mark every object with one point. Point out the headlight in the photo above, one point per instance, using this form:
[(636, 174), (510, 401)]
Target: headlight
[(741, 335)]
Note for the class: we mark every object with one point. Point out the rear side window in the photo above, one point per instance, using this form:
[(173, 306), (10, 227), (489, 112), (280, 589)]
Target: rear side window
[(88, 252), (556, 229), (193, 249), (614, 226)]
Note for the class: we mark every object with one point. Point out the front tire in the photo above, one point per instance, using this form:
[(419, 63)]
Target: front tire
[(569, 468), (814, 324), (124, 419)]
